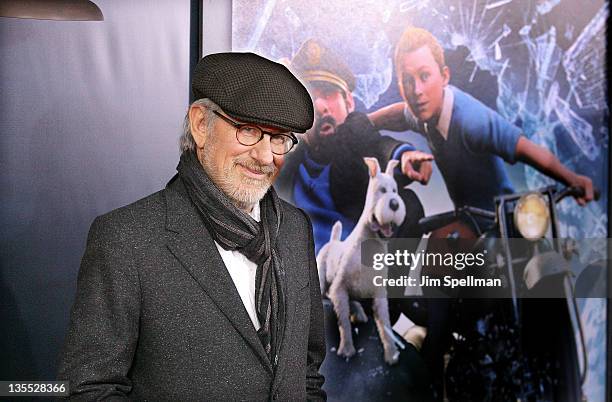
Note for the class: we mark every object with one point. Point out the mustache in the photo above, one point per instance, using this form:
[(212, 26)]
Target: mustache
[(257, 167), (324, 120)]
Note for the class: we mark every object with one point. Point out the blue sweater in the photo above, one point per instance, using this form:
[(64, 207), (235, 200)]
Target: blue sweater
[(471, 160)]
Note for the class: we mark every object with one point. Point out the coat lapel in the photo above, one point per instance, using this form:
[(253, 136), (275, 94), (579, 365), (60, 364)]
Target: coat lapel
[(191, 244)]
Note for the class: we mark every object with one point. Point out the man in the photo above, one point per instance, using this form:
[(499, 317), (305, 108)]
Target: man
[(470, 143), (207, 289), (326, 175)]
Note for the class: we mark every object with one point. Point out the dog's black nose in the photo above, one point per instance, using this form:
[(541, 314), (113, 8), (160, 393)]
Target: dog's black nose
[(394, 205)]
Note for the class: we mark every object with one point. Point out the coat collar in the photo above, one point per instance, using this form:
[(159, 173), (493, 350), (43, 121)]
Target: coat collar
[(191, 244)]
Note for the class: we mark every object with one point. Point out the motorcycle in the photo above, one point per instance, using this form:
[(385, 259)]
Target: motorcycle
[(521, 344)]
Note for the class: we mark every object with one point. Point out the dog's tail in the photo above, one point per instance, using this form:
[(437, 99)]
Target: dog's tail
[(336, 231)]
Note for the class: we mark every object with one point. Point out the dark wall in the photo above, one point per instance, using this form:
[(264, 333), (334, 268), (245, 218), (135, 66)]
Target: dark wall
[(90, 115)]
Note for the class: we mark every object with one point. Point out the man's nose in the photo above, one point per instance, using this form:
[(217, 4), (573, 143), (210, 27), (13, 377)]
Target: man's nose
[(320, 106), (418, 88), (262, 151)]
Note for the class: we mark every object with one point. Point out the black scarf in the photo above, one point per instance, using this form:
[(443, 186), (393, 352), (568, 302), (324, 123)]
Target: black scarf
[(234, 229)]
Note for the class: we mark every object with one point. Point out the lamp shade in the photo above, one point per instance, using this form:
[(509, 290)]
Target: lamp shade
[(60, 10)]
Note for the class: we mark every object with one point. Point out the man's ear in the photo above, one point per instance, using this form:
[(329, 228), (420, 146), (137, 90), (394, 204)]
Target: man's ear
[(197, 125), (350, 102), (446, 74)]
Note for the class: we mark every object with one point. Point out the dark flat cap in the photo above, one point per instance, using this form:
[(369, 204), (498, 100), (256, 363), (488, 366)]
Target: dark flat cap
[(255, 90), (315, 62)]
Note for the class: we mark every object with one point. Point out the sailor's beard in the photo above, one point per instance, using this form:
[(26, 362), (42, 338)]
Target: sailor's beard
[(323, 146)]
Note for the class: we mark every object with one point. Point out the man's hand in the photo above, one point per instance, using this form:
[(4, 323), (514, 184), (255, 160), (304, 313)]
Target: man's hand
[(417, 166), (547, 163), (586, 184)]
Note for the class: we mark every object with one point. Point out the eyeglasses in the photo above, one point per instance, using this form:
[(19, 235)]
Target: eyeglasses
[(249, 135)]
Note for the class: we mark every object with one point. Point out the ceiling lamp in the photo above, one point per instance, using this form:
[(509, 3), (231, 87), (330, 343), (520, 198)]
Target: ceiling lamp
[(60, 10)]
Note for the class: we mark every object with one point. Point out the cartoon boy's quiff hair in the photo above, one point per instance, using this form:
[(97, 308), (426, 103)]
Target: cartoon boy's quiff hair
[(413, 39)]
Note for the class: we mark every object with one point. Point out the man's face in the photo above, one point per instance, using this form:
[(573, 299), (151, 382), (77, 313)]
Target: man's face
[(243, 173), (423, 83), (331, 106)]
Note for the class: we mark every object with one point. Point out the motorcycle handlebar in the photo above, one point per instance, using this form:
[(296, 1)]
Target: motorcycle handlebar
[(430, 223), (575, 192)]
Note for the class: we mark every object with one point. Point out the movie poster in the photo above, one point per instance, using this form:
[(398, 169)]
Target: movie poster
[(538, 64)]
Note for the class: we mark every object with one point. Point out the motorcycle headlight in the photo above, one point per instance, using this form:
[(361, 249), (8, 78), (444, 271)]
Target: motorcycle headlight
[(531, 216)]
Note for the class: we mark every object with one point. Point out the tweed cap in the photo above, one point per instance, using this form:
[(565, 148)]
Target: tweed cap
[(315, 62), (254, 89)]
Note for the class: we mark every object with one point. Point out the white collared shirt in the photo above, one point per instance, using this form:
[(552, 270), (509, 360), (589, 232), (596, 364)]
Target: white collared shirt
[(243, 272), (446, 113)]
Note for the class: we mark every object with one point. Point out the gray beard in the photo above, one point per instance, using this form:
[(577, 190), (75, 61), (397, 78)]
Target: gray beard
[(242, 198)]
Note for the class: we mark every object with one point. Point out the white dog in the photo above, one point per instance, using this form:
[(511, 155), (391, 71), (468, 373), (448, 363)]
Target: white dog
[(340, 266)]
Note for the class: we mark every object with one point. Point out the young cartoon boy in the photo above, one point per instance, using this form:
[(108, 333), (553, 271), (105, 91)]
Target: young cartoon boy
[(468, 140)]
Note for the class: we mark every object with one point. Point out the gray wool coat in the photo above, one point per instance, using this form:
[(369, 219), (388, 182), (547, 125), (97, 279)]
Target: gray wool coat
[(158, 317)]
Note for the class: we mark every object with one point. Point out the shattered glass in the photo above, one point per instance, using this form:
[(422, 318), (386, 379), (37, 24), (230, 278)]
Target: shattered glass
[(585, 63), (545, 6), (578, 128), (370, 86)]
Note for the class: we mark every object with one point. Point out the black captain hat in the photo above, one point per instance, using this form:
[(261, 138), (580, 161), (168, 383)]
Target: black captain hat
[(253, 89), (315, 62)]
